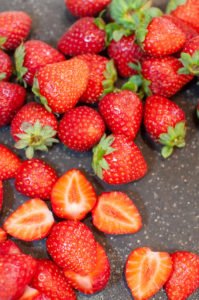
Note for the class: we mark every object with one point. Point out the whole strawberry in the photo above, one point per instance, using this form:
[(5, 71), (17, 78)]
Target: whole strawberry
[(27, 181), (117, 160), (86, 8), (12, 97), (84, 36), (60, 86), (165, 122), (190, 57), (5, 66), (81, 128), (31, 56), (34, 128), (9, 163), (14, 28)]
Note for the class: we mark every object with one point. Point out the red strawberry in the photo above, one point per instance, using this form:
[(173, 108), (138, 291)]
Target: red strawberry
[(118, 160), (9, 163), (50, 280), (42, 297), (34, 128), (81, 128), (3, 235), (27, 181), (8, 247), (1, 195), (59, 86), (30, 294), (12, 97), (14, 28), (86, 8), (73, 196), (190, 57), (122, 112), (184, 279), (146, 272), (72, 246), (84, 36), (115, 213), (165, 122), (96, 280), (33, 55), (5, 66), (31, 221), (16, 271)]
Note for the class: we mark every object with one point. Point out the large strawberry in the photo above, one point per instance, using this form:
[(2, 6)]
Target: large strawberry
[(5, 66), (59, 86), (9, 163), (31, 56), (165, 122), (86, 8), (117, 160), (14, 28), (190, 57)]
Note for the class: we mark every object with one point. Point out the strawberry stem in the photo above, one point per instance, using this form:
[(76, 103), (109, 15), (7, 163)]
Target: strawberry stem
[(19, 56)]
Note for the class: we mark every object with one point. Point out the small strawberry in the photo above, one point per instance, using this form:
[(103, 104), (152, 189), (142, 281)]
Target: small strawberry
[(94, 281), (50, 280), (117, 160), (146, 272), (190, 57), (165, 122), (5, 66), (86, 8), (8, 247), (31, 56), (34, 128), (27, 181), (12, 97), (29, 294), (73, 196), (9, 163), (81, 128), (122, 112), (14, 28), (115, 213), (84, 36), (59, 86), (30, 221), (1, 194), (72, 246), (184, 279), (3, 236)]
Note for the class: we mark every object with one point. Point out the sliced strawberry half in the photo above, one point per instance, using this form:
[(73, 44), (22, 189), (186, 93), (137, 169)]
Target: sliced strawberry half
[(1, 195), (115, 213), (3, 235), (31, 221), (9, 247), (73, 196), (147, 271), (29, 294)]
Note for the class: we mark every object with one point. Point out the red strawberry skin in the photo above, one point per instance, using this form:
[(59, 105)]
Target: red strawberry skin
[(86, 8), (185, 277), (9, 163), (82, 37), (1, 194), (192, 46), (12, 97), (3, 235), (15, 27), (5, 66), (9, 248)]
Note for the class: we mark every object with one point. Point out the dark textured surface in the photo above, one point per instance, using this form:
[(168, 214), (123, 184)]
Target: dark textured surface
[(167, 197)]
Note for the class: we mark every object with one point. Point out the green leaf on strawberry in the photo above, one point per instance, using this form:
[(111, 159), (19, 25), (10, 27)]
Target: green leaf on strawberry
[(190, 63), (115, 32), (2, 41), (36, 92), (110, 75), (2, 76), (19, 61), (99, 22), (173, 4)]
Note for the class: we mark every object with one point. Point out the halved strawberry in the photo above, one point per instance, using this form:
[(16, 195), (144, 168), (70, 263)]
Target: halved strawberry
[(73, 196), (1, 195), (3, 235), (9, 247), (31, 221), (96, 280), (146, 272), (115, 213), (29, 294)]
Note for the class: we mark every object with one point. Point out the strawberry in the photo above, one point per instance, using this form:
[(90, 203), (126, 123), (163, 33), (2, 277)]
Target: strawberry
[(9, 163), (31, 221), (16, 271), (73, 196), (72, 246), (5, 66), (84, 36), (1, 195), (102, 76), (81, 128), (12, 97), (122, 112), (31, 56), (8, 247), (190, 57), (94, 281), (86, 8), (67, 81), (146, 272), (27, 181), (29, 294), (117, 160), (115, 213), (50, 280), (3, 236), (14, 28), (165, 122), (184, 279)]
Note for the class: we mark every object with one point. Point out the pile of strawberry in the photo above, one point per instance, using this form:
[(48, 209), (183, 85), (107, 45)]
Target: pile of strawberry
[(158, 54)]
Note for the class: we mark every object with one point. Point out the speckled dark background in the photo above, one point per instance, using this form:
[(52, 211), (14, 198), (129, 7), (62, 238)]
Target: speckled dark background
[(167, 197)]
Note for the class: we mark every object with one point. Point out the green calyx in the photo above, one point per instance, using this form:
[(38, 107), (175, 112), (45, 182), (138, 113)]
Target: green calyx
[(173, 4), (175, 137), (2, 76), (110, 75), (99, 22), (3, 39), (19, 56), (99, 163), (36, 92), (35, 137), (190, 63), (115, 32)]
